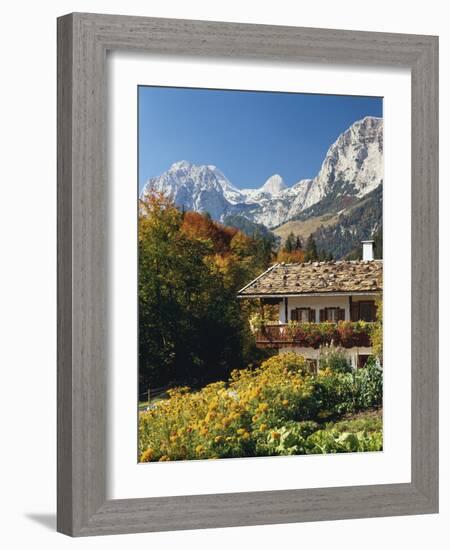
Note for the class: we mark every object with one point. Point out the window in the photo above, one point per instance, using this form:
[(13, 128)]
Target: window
[(332, 314), (303, 315), (362, 361), (367, 311)]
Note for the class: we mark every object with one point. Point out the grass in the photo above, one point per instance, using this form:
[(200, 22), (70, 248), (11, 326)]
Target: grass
[(370, 421)]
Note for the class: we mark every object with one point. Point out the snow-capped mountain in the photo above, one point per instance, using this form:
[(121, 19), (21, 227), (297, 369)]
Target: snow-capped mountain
[(274, 185), (200, 188), (354, 162), (353, 165)]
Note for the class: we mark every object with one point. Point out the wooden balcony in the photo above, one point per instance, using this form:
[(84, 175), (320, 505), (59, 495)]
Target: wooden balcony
[(346, 334)]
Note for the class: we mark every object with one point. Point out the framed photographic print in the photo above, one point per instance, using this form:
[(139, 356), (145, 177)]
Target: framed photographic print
[(247, 269)]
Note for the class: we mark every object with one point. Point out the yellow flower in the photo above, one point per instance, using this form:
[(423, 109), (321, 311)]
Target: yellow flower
[(275, 435), (213, 404), (199, 449), (218, 438), (285, 402), (241, 431), (263, 407), (147, 455), (263, 427), (164, 458)]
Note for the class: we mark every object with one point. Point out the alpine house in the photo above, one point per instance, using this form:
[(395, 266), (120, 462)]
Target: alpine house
[(320, 292)]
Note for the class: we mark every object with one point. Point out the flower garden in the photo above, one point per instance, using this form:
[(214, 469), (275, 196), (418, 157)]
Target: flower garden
[(278, 408)]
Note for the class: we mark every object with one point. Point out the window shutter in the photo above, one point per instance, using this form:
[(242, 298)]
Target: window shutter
[(312, 315), (354, 312), (374, 311), (322, 315), (294, 316), (341, 314)]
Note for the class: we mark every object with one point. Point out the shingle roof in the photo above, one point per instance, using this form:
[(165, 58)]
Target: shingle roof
[(317, 278)]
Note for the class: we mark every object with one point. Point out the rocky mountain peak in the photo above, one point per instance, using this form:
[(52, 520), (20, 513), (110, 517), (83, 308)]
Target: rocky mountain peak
[(273, 185), (353, 166)]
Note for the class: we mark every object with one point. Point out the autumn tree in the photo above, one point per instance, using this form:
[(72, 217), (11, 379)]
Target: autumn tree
[(292, 251), (191, 327)]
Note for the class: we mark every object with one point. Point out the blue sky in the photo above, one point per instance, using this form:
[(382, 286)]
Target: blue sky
[(248, 135)]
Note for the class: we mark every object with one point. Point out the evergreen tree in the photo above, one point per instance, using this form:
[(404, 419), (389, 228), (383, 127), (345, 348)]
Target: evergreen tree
[(378, 245), (311, 254), (289, 245)]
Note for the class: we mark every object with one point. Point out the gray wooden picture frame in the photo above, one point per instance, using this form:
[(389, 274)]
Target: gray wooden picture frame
[(83, 41)]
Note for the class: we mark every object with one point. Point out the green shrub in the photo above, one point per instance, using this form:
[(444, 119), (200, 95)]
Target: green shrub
[(333, 441), (285, 440), (333, 394), (334, 359), (307, 427), (368, 386)]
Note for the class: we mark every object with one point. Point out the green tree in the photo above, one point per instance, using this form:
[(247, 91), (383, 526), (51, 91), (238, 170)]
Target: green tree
[(311, 250), (378, 244), (289, 244)]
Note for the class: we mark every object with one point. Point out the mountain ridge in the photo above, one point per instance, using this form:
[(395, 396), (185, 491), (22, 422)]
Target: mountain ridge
[(352, 167)]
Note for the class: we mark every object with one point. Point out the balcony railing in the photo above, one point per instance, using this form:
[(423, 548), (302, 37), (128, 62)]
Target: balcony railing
[(346, 334)]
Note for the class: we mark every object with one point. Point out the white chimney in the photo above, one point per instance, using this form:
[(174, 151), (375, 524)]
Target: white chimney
[(367, 251)]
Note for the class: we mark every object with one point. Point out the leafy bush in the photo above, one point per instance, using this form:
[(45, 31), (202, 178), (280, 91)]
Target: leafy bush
[(333, 441), (334, 359), (368, 386), (333, 393), (275, 409)]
